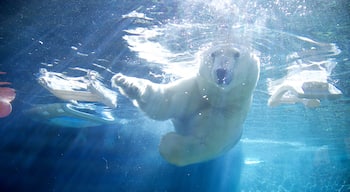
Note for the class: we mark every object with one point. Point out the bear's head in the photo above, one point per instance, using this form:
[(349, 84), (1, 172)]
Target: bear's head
[(227, 66)]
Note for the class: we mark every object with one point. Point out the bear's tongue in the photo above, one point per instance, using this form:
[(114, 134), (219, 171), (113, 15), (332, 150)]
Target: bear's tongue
[(221, 74)]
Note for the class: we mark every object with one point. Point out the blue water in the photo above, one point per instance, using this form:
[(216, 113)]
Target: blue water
[(286, 148)]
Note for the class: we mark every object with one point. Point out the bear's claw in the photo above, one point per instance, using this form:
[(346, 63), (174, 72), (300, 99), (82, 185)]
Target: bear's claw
[(127, 85)]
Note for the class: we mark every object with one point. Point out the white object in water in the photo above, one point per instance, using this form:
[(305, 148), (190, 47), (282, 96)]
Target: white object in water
[(306, 87), (87, 88)]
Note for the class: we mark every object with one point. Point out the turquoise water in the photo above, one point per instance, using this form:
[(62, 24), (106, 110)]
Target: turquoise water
[(286, 148)]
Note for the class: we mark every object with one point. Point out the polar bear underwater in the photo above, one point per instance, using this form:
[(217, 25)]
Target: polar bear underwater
[(207, 109)]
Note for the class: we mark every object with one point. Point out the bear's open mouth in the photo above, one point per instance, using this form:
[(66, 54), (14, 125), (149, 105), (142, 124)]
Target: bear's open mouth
[(222, 77)]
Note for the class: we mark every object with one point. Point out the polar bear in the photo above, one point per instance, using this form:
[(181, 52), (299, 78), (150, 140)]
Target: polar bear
[(207, 109)]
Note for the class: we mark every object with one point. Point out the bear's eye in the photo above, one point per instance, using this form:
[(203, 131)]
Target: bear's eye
[(236, 55), (213, 56)]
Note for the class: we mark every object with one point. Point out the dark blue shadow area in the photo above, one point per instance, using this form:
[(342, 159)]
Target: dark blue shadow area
[(37, 157)]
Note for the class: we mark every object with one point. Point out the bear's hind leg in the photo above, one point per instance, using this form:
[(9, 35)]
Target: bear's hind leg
[(183, 150)]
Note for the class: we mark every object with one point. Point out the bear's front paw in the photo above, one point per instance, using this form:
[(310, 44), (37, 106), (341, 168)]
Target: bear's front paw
[(128, 86)]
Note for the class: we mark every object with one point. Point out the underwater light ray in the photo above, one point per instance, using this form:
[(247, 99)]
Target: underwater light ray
[(112, 30), (96, 46)]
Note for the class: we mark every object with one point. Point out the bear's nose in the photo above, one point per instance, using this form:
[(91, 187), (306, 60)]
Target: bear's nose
[(221, 74)]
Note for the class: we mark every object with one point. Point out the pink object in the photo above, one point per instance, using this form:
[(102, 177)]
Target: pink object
[(5, 83), (6, 96)]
